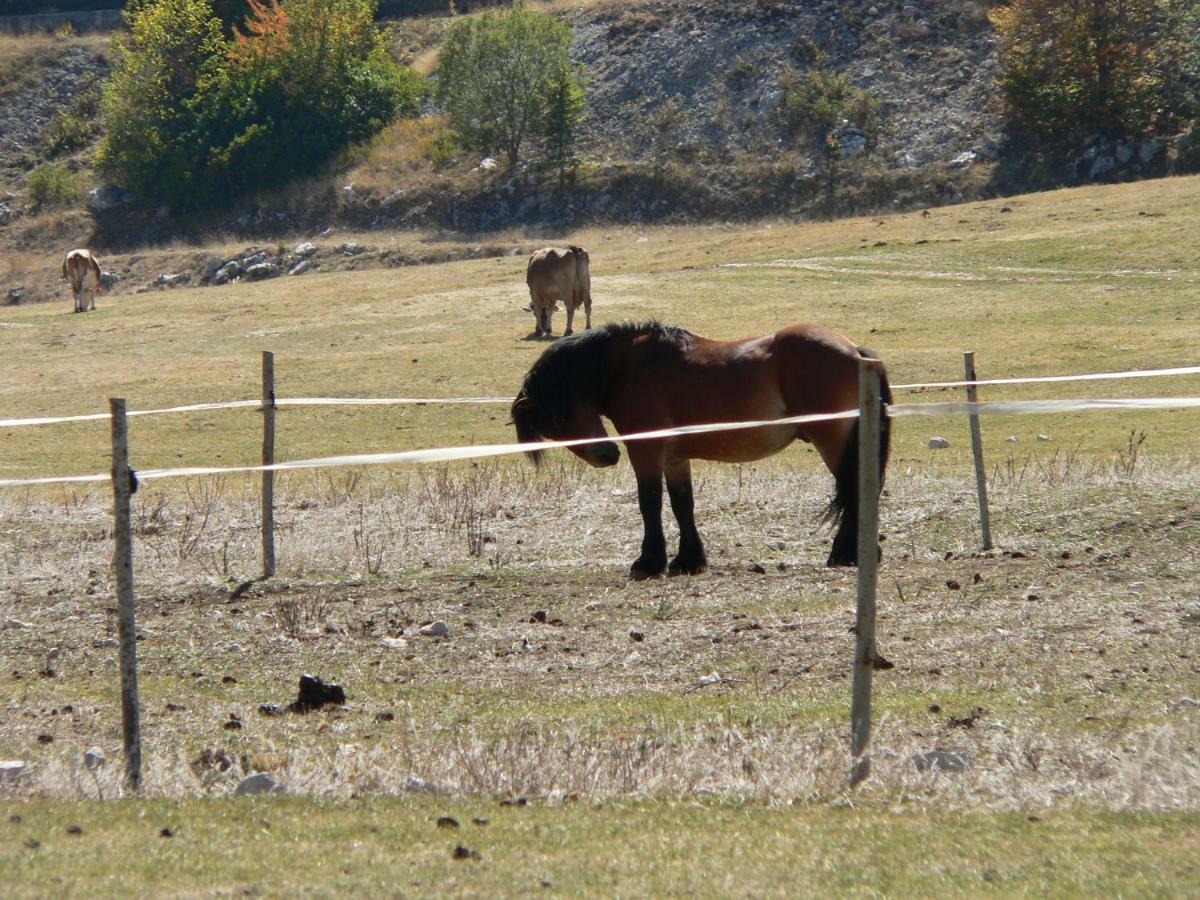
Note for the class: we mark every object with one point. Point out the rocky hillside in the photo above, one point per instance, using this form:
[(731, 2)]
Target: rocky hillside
[(930, 63)]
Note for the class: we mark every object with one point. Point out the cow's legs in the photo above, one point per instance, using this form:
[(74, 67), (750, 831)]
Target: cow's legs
[(570, 317), (79, 302), (691, 559), (92, 299)]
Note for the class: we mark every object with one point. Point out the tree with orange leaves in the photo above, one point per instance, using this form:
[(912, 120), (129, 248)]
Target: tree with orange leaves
[(1077, 69)]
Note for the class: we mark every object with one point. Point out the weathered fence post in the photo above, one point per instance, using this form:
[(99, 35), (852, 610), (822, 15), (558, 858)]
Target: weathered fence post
[(985, 524), (124, 484), (868, 567), (268, 458)]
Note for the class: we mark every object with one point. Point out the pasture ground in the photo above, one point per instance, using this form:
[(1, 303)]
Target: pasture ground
[(685, 735)]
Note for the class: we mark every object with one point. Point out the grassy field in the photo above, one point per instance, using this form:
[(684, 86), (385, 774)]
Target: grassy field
[(659, 848), (672, 737)]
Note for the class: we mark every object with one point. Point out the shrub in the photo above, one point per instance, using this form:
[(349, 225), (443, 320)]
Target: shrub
[(66, 132), (51, 185), (817, 102)]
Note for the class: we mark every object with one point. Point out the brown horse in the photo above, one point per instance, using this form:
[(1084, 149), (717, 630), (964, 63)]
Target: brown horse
[(654, 376)]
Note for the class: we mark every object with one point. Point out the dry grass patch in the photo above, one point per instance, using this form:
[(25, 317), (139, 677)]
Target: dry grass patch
[(1061, 671), (24, 56)]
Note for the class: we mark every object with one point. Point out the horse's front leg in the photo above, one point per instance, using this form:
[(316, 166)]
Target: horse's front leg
[(653, 560), (691, 559)]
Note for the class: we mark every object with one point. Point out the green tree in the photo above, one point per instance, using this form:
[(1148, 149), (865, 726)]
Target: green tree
[(306, 78), (564, 110), (147, 105), (497, 74), (1073, 69), (192, 118)]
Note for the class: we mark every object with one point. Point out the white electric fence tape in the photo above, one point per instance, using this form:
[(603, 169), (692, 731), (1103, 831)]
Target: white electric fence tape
[(257, 404), (447, 401), (448, 454), (1095, 376)]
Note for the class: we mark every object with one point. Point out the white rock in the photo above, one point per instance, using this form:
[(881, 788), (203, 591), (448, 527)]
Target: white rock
[(1012, 438), (94, 759), (53, 653), (15, 623), (938, 443), (301, 267), (257, 784), (305, 249), (1043, 437), (488, 164), (395, 643), (435, 629), (11, 771), (234, 648)]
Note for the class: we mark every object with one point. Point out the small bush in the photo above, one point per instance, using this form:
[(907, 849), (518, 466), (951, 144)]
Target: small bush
[(51, 186), (817, 102), (444, 150), (66, 132)]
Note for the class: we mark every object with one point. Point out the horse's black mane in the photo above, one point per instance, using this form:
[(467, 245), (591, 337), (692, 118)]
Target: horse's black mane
[(575, 369)]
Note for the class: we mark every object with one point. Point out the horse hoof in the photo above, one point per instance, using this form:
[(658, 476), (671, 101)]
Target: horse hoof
[(639, 573), (675, 571), (880, 664)]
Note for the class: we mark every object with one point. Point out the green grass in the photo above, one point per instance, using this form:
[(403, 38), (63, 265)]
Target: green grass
[(284, 847), (1114, 292)]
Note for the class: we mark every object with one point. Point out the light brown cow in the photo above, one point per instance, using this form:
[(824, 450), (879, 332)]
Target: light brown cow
[(81, 269), (559, 273)]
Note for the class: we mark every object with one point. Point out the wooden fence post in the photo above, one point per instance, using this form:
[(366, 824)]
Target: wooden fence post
[(868, 567), (985, 524), (124, 484), (268, 458)]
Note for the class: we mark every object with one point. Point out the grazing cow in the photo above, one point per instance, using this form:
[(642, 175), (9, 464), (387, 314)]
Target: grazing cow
[(81, 269), (558, 273)]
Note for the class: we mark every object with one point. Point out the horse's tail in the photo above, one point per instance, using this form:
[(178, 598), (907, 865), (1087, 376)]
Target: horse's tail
[(843, 508)]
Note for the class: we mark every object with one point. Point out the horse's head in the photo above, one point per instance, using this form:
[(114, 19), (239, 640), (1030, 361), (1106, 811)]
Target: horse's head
[(534, 424), (560, 401)]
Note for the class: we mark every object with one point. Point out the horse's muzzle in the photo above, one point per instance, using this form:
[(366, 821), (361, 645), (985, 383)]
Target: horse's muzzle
[(603, 455)]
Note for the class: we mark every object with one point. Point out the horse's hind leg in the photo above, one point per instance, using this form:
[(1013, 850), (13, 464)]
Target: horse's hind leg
[(691, 559)]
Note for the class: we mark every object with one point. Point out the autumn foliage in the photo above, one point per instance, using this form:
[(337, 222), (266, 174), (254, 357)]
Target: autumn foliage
[(1075, 70), (193, 117)]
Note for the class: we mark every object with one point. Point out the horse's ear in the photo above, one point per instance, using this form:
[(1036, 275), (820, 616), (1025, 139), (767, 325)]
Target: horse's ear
[(522, 403)]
